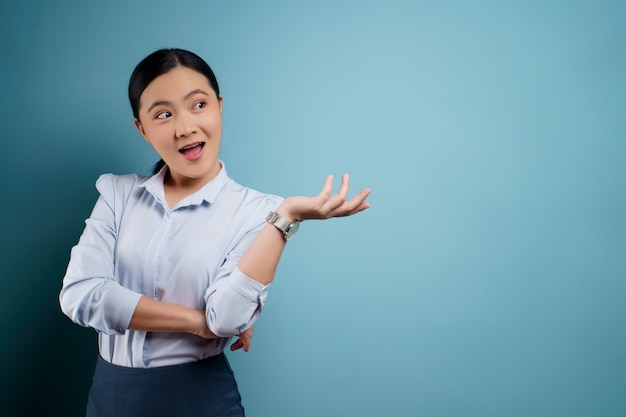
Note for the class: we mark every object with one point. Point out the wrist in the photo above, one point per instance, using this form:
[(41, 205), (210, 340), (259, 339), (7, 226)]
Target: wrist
[(284, 210), (196, 322), (285, 223)]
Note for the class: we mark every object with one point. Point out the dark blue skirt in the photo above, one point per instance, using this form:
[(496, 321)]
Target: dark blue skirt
[(205, 388)]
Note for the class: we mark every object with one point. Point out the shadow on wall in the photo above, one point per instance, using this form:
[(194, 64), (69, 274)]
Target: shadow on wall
[(47, 360)]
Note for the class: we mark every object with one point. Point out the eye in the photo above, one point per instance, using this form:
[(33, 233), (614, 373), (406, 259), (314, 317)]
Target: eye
[(163, 115), (199, 105)]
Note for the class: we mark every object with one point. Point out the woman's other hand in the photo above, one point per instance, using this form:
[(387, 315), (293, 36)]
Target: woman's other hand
[(244, 340)]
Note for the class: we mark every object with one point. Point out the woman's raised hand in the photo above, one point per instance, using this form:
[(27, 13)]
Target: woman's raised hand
[(325, 205)]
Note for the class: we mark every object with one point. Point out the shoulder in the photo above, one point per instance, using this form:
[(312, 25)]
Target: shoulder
[(249, 196), (246, 206), (110, 185)]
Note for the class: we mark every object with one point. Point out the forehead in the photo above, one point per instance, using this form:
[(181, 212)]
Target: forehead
[(174, 85)]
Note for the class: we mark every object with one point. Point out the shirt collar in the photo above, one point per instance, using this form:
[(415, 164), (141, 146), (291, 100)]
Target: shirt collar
[(208, 193)]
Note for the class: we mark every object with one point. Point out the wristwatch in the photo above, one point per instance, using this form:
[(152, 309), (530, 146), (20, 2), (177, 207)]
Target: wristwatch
[(288, 228)]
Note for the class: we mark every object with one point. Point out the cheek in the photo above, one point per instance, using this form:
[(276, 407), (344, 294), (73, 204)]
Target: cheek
[(155, 135), (215, 122)]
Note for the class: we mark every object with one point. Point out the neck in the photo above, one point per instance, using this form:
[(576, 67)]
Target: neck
[(177, 187)]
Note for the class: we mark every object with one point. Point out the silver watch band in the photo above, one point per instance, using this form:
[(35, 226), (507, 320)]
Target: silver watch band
[(279, 222), (288, 228)]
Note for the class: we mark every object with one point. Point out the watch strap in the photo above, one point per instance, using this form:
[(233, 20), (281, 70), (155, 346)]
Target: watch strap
[(288, 228)]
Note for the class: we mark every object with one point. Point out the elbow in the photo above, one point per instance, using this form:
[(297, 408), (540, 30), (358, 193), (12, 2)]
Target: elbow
[(223, 331), (71, 302), (71, 307), (225, 325), (223, 328), (232, 308), (67, 306)]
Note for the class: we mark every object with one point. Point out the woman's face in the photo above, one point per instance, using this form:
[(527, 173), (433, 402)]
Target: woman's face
[(181, 117)]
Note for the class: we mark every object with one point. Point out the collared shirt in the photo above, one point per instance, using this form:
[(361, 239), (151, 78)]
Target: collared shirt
[(134, 244)]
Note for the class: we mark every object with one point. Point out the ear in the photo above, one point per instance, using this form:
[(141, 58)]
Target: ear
[(141, 130), (220, 100)]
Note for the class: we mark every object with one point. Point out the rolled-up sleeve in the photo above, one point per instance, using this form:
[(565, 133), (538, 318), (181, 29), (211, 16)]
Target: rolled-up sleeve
[(234, 300), (234, 304), (90, 295)]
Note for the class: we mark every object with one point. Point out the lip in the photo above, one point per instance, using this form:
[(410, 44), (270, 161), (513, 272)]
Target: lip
[(192, 151)]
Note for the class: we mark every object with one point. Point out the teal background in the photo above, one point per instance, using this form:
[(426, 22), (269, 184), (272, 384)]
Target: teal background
[(487, 279)]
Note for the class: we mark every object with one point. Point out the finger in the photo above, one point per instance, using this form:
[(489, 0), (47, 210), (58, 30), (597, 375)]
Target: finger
[(345, 186), (327, 189), (337, 206), (362, 195), (332, 205), (355, 205), (237, 345), (245, 343), (338, 199), (360, 208)]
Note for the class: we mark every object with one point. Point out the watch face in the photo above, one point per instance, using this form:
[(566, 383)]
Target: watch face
[(292, 231)]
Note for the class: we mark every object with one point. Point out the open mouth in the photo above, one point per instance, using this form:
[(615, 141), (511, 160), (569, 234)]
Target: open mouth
[(193, 150)]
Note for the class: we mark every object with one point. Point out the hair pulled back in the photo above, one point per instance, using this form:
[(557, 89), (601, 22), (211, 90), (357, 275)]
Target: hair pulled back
[(161, 62)]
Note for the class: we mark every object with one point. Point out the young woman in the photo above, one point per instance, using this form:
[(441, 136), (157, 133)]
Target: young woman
[(170, 267)]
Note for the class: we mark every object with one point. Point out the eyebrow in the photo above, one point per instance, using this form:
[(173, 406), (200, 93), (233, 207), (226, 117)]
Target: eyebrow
[(186, 97)]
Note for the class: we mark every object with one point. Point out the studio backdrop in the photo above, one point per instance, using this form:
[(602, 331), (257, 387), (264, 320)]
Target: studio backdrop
[(488, 277)]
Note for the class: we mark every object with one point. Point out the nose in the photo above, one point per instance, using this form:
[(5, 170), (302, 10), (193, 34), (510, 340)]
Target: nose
[(184, 126)]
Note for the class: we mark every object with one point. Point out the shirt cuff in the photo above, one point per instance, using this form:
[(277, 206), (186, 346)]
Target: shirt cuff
[(125, 304)]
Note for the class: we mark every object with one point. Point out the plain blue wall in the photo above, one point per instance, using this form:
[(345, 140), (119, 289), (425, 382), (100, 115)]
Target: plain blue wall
[(487, 279)]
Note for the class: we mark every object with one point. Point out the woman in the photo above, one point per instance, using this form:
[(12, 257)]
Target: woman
[(170, 267)]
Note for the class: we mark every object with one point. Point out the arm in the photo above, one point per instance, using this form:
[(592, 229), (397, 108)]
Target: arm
[(159, 316), (261, 260), (90, 295), (254, 270), (235, 302)]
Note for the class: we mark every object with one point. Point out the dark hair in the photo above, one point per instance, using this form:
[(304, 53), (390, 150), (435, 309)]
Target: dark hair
[(161, 62)]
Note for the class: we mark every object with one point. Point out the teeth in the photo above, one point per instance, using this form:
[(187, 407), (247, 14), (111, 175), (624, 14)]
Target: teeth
[(184, 148)]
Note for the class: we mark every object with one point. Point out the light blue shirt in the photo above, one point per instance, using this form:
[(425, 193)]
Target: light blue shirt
[(133, 244)]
